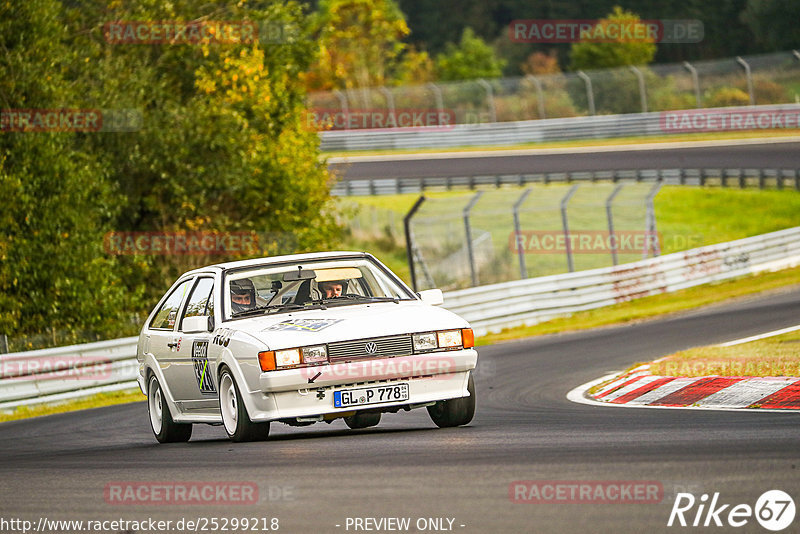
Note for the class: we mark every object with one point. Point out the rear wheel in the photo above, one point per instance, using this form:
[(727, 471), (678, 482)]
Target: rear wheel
[(363, 420), (454, 412), (164, 427), (235, 419)]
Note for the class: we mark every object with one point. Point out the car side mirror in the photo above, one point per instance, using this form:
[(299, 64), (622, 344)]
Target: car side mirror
[(434, 297), (198, 323)]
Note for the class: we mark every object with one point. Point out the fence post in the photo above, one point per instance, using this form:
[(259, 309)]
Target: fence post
[(589, 92), (523, 271), (565, 225), (489, 99), (749, 75), (437, 95), (345, 110), (695, 80), (410, 240), (387, 94), (642, 89), (470, 253), (539, 94), (611, 236), (650, 222), (3, 344)]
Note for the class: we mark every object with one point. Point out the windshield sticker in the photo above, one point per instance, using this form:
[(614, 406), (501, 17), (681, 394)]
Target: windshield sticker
[(303, 325)]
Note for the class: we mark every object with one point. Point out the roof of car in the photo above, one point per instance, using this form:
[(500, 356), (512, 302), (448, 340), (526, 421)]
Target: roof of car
[(278, 259)]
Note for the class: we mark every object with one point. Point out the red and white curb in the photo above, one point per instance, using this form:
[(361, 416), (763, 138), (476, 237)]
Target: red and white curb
[(779, 394), (637, 388)]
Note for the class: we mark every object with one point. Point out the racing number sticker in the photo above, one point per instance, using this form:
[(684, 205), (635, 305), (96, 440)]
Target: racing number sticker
[(201, 370)]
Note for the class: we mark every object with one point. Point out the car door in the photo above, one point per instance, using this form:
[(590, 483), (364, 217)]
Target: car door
[(162, 331), (197, 389)]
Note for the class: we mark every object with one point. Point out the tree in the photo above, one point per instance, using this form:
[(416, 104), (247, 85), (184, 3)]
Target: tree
[(359, 41), (57, 199), (774, 22), (222, 148), (620, 52), (472, 58)]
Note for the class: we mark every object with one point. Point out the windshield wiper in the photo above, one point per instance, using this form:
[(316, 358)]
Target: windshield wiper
[(268, 309)]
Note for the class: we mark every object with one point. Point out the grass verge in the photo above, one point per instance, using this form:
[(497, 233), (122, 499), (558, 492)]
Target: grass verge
[(653, 306), (95, 401), (774, 356)]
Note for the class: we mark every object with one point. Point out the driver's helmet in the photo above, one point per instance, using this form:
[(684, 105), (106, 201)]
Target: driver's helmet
[(243, 295)]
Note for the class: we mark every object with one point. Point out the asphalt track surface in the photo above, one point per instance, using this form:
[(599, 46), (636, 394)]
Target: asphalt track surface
[(525, 429), (767, 156)]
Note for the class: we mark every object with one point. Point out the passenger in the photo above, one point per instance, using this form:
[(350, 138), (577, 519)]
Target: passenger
[(331, 289)]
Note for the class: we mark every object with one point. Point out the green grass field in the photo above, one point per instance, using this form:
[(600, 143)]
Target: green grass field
[(687, 217), (773, 356)]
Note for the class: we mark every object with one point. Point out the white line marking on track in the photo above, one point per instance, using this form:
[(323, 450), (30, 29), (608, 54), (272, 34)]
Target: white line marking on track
[(759, 336)]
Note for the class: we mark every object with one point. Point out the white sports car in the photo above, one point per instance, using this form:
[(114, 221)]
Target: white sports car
[(301, 339)]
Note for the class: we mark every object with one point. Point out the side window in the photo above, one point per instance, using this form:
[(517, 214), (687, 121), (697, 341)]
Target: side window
[(166, 316), (200, 299)]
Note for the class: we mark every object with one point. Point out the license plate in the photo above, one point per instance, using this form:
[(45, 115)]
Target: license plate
[(371, 395)]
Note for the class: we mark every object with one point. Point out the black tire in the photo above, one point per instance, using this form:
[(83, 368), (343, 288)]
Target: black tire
[(165, 429), (235, 419), (363, 420), (454, 412)]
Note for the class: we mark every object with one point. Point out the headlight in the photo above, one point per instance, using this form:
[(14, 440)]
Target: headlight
[(424, 341), (276, 359), (316, 354), (449, 338), (285, 358)]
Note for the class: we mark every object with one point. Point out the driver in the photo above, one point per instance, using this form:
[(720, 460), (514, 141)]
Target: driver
[(331, 288), (243, 295)]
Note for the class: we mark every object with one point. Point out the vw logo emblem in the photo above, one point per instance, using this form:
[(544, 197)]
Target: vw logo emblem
[(371, 348)]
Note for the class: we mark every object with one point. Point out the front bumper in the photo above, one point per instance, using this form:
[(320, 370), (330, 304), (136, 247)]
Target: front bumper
[(431, 377)]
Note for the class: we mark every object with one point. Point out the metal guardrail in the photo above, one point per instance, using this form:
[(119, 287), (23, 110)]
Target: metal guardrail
[(742, 178), (524, 302), (63, 373), (33, 377), (512, 133)]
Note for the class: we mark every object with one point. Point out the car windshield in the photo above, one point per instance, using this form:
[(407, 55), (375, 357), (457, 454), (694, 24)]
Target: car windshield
[(308, 285)]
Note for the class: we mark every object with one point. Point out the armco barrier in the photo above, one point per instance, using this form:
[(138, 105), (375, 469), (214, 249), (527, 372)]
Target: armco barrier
[(32, 377), (741, 178), (62, 373), (494, 307), (513, 133)]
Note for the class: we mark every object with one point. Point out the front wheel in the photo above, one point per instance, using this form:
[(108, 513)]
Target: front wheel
[(235, 419), (454, 412), (164, 427)]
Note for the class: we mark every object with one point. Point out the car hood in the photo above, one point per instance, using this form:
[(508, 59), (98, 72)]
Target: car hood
[(340, 323)]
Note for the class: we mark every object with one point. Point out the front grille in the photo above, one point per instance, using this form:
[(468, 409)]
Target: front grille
[(384, 346)]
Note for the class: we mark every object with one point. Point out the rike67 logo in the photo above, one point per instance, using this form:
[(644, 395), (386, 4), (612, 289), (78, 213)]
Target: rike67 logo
[(774, 510)]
